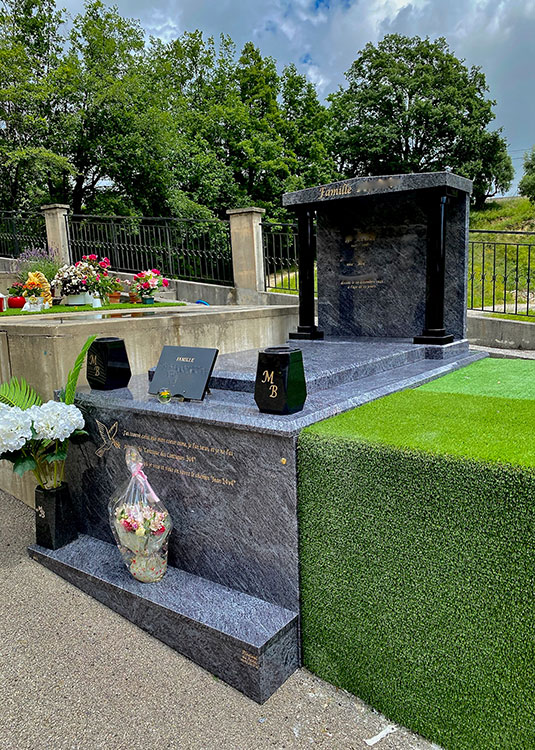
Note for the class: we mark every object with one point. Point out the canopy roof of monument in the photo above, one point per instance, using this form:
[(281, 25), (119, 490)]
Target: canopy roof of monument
[(358, 187)]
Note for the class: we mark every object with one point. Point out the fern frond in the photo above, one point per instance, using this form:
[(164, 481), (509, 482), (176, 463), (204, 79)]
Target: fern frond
[(19, 393), (72, 378)]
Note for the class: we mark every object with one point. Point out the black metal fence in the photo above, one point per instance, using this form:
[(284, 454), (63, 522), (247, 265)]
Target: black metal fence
[(21, 232), (196, 250), (280, 246), (500, 265)]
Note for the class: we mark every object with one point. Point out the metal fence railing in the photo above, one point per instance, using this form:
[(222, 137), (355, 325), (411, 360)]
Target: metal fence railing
[(500, 267), (196, 250), (500, 264), (21, 232), (280, 245)]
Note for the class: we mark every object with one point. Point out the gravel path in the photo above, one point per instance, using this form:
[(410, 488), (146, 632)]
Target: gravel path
[(75, 675)]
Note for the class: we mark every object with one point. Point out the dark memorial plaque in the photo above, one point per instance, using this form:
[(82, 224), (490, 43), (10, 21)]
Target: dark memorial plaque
[(184, 371)]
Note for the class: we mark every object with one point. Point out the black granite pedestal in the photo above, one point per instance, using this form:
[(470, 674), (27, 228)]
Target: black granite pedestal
[(227, 474)]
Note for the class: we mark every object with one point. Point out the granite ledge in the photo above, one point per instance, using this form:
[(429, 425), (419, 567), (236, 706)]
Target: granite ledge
[(232, 614), (358, 187)]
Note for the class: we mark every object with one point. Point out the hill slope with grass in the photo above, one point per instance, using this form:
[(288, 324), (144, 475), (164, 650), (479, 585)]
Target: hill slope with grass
[(508, 214)]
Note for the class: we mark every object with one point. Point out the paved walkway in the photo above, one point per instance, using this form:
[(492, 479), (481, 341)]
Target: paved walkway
[(76, 676)]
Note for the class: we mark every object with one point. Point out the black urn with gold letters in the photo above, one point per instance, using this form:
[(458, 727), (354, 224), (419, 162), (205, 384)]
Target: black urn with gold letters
[(280, 386), (107, 364)]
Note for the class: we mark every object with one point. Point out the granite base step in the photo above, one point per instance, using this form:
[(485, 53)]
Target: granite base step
[(332, 362), (246, 642)]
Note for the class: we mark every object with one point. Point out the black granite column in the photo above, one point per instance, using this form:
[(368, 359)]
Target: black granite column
[(434, 331), (307, 328)]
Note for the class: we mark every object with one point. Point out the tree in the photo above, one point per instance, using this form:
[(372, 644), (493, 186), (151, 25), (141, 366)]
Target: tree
[(412, 106), (526, 186), (30, 53)]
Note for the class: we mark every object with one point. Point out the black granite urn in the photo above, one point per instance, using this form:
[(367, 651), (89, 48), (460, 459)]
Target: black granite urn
[(55, 524), (107, 364), (280, 386)]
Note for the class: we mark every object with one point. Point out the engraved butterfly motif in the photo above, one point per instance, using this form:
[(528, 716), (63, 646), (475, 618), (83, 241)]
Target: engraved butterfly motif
[(108, 438)]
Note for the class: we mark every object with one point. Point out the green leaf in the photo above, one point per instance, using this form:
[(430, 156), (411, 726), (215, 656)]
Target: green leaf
[(61, 455), (24, 464), (19, 393), (72, 378)]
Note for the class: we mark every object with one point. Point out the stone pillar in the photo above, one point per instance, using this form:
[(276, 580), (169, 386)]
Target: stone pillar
[(56, 229), (247, 251)]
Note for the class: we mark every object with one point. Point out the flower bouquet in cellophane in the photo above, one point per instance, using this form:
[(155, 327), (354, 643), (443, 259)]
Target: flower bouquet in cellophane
[(140, 524)]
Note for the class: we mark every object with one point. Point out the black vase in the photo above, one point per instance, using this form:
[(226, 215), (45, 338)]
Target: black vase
[(55, 524), (280, 386), (107, 364)]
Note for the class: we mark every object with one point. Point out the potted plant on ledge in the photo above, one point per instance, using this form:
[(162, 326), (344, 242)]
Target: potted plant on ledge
[(146, 283), (35, 436), (16, 299)]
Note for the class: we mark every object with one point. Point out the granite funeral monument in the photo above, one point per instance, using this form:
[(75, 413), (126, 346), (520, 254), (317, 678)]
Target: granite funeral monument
[(227, 472), (391, 257)]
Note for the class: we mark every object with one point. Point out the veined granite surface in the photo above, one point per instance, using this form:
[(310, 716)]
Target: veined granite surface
[(357, 187), (248, 642), (227, 474)]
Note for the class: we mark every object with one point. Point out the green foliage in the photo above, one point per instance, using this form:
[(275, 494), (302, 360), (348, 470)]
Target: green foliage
[(417, 562), (412, 106), (515, 214), (47, 261), (19, 393), (526, 186), (72, 378)]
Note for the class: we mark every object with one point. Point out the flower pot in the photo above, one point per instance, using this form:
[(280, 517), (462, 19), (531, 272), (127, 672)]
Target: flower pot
[(55, 524), (114, 298), (96, 301), (134, 298), (147, 300), (79, 299), (16, 302)]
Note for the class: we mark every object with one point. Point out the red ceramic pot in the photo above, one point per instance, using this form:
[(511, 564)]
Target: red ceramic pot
[(16, 302)]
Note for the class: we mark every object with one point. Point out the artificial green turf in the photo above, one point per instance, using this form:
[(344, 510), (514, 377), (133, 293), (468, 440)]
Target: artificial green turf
[(504, 378), (87, 308), (416, 526)]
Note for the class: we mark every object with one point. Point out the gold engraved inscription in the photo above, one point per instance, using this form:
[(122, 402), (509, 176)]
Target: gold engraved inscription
[(155, 451), (331, 191), (250, 659)]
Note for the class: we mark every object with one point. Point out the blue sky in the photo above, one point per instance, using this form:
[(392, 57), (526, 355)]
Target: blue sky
[(323, 37)]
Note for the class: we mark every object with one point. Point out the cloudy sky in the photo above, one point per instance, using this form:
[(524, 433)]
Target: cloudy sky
[(323, 37)]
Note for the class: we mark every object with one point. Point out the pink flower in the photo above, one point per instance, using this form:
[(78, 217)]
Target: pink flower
[(125, 523), (97, 277), (84, 257), (146, 285), (160, 530), (103, 265), (165, 282), (106, 261), (155, 271), (78, 262), (92, 257)]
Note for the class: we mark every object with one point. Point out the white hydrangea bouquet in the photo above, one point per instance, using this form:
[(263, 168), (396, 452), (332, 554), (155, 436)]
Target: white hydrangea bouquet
[(34, 435)]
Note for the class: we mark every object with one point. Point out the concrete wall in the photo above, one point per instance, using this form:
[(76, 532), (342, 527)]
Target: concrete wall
[(500, 333), (42, 349)]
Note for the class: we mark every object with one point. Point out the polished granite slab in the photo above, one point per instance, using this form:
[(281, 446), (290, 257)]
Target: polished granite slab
[(247, 642), (333, 361)]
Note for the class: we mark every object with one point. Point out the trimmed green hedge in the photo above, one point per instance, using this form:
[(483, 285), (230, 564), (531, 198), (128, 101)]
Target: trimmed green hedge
[(418, 564)]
